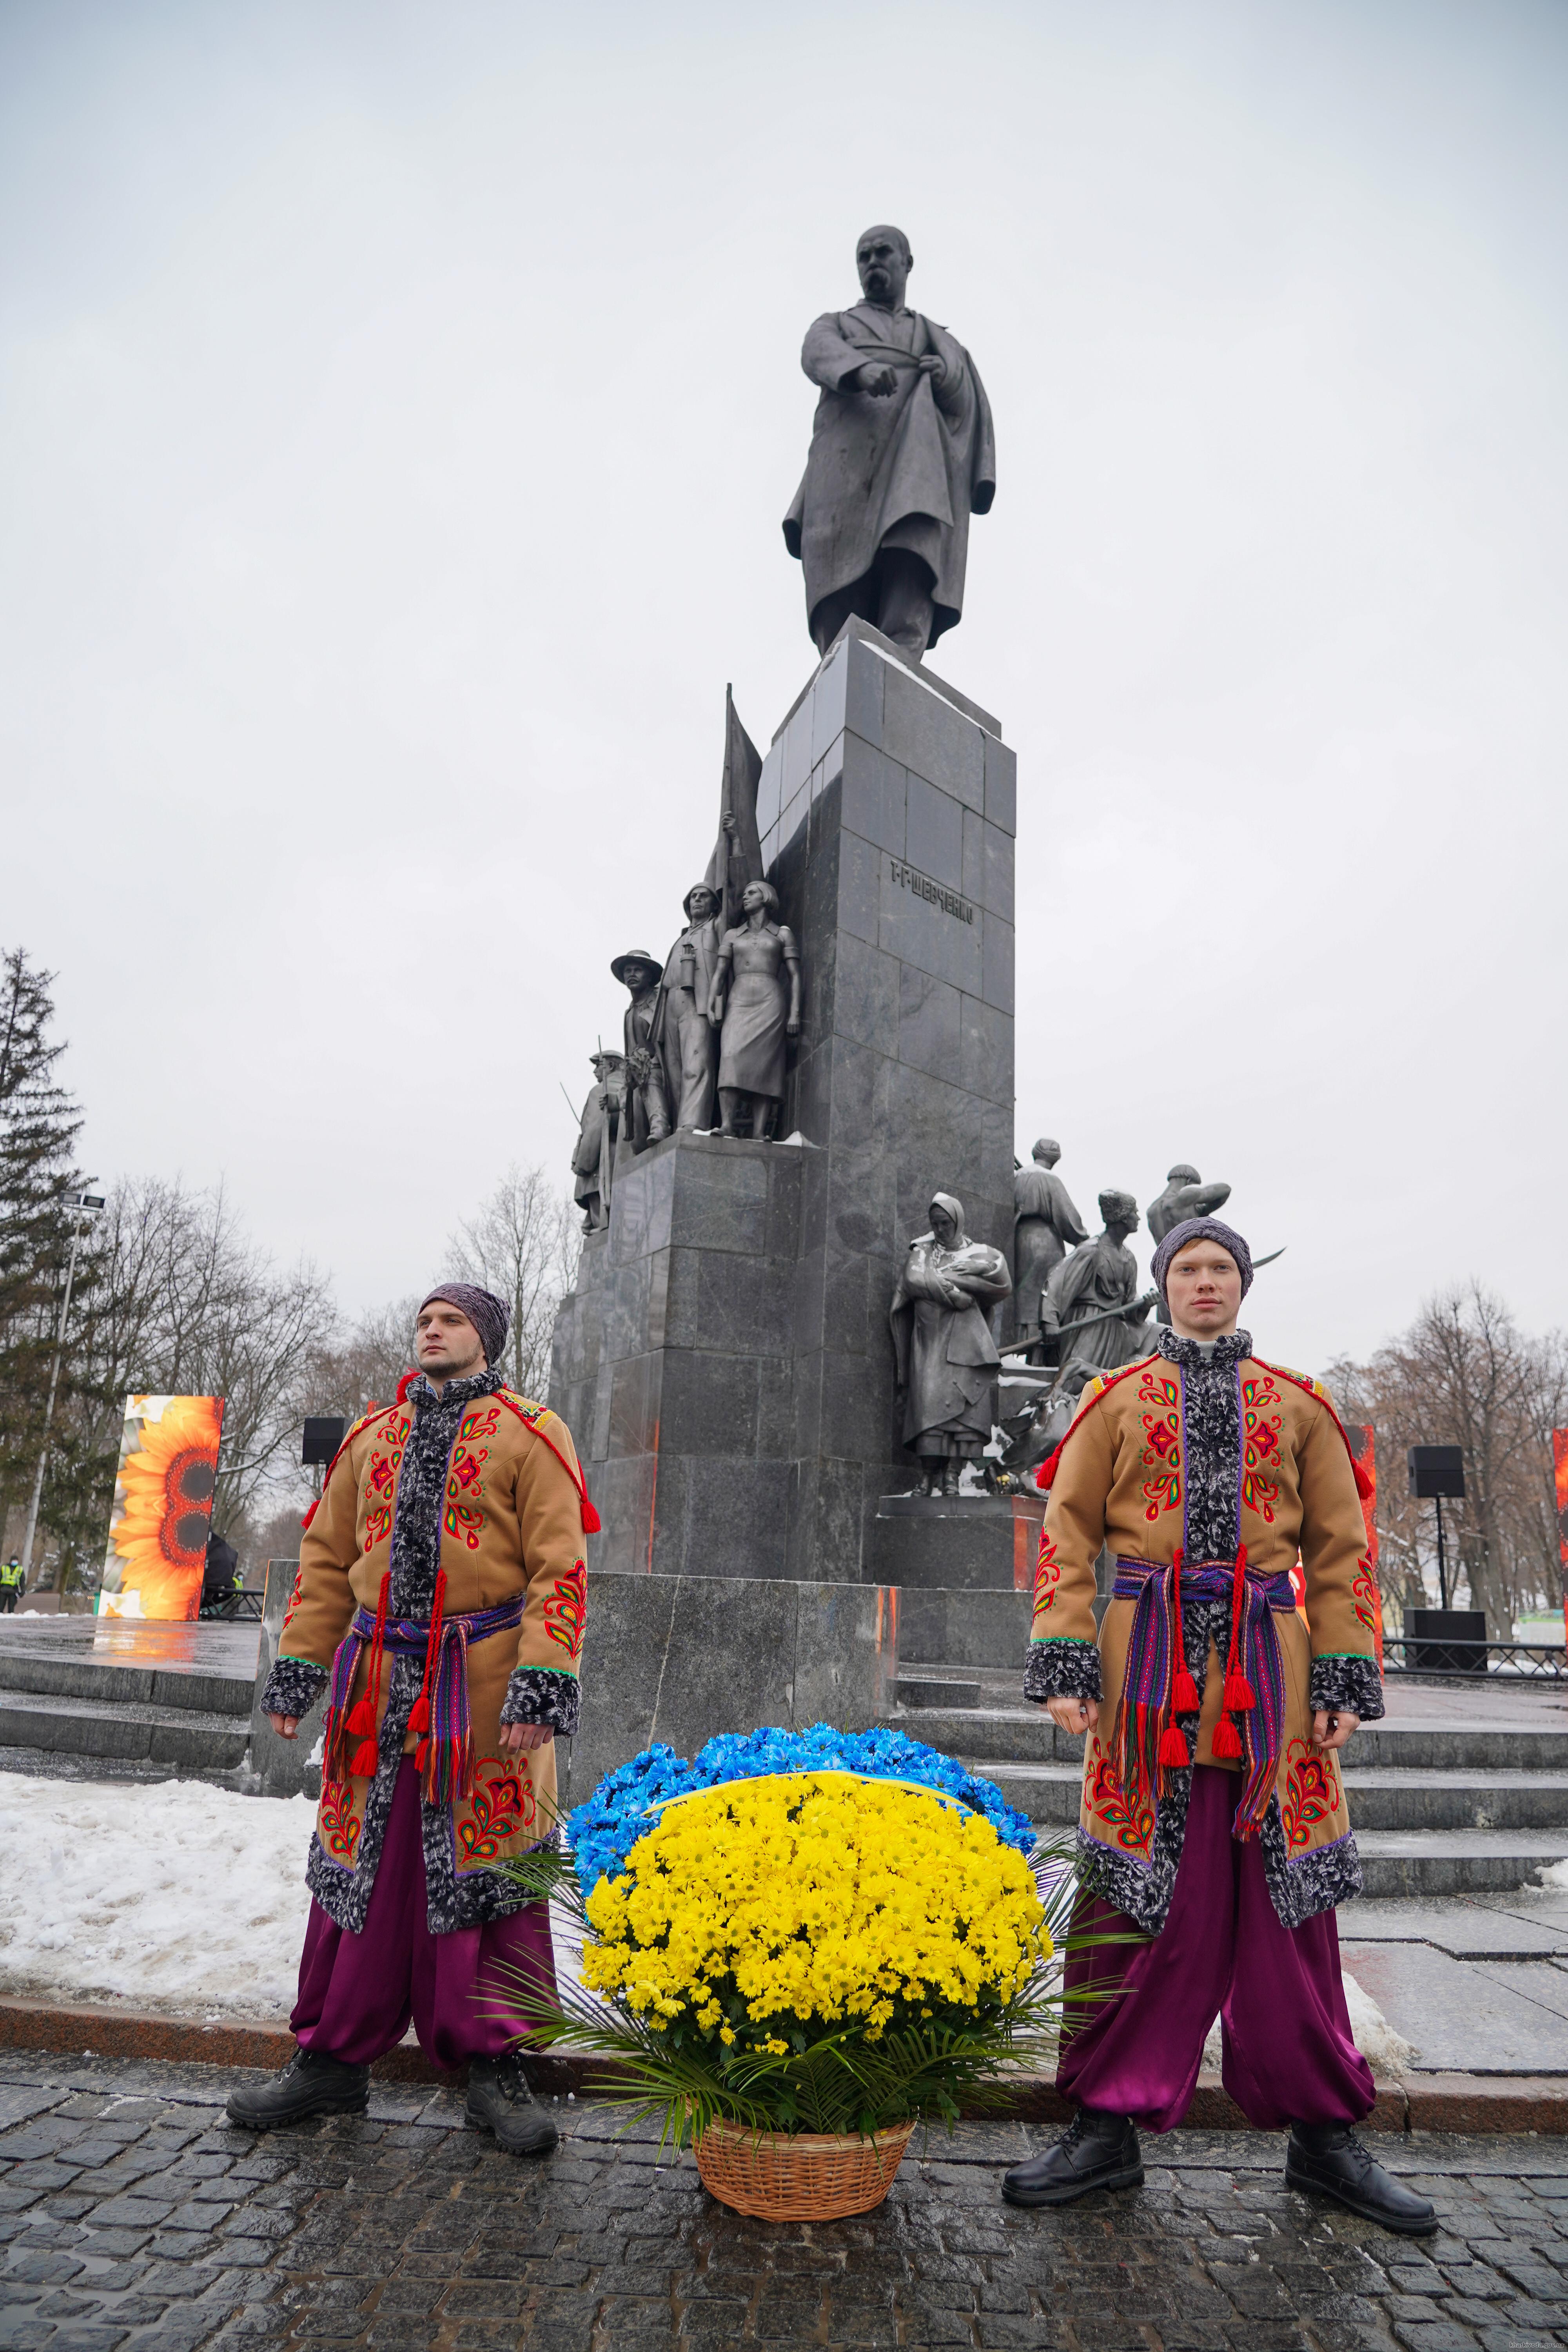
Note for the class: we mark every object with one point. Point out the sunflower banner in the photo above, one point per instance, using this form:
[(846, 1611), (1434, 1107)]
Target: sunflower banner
[(163, 1510)]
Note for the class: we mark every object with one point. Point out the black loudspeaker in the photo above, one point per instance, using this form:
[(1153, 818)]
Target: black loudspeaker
[(324, 1434), (1437, 1471)]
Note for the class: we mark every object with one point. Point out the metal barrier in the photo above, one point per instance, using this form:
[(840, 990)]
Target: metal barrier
[(1468, 1661), (237, 1608)]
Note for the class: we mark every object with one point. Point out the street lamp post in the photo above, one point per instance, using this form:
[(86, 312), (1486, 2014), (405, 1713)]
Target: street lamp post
[(87, 1206)]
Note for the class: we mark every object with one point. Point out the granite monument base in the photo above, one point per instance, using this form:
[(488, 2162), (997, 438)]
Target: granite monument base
[(678, 1658), (284, 1767), (965, 1543)]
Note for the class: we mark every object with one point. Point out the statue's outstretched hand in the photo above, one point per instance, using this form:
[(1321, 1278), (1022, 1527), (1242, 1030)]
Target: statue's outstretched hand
[(878, 380)]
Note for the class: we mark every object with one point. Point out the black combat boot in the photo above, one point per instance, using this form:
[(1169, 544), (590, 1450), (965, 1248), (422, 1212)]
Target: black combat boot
[(311, 2084), (1328, 2160), (501, 2101), (1096, 2151)]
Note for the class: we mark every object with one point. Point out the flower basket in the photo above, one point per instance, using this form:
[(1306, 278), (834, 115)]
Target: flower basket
[(797, 1947), (799, 2176)]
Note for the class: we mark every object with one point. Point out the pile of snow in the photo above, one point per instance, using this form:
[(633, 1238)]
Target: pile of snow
[(174, 1897), (1386, 2052)]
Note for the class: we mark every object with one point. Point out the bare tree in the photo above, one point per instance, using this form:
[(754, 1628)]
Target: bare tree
[(522, 1244), (178, 1303), (361, 1366), (1464, 1374)]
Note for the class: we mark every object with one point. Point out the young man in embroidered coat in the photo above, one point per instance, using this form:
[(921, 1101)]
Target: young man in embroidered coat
[(1214, 1840), (455, 1520)]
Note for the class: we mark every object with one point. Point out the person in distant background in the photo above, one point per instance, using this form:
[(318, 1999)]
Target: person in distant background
[(220, 1576), (12, 1585)]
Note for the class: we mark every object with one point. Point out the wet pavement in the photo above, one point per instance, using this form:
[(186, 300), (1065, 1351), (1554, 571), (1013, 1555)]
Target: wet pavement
[(132, 2214)]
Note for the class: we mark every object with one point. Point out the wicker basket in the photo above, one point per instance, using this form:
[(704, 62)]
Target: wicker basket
[(799, 2176)]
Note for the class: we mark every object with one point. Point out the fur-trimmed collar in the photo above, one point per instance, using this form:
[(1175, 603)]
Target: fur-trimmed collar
[(1177, 1349), (422, 1395)]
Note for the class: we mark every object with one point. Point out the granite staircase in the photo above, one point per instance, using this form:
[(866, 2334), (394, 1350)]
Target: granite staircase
[(1441, 1807), (79, 1705)]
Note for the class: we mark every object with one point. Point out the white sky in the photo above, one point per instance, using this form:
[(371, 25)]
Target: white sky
[(399, 403)]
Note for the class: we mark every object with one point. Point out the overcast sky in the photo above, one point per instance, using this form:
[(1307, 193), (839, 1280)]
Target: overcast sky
[(397, 408)]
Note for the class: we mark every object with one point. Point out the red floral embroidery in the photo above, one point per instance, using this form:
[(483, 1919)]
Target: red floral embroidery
[(377, 1525), (339, 1824), (1312, 1793), (294, 1597), (479, 1424), (499, 1809), (566, 1609), (1260, 1431), (382, 1473), (1161, 1440), (1363, 1592), (466, 1472), (1108, 1801), (463, 1521), (1048, 1574)]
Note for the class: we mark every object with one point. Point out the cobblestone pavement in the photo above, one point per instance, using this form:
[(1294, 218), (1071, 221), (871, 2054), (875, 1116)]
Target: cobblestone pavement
[(132, 2214)]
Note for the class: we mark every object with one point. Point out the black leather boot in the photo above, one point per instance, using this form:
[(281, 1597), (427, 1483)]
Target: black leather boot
[(311, 2084), (501, 2101), (1328, 2160), (1096, 2151)]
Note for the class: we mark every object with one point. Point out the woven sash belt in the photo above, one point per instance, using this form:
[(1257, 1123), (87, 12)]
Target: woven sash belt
[(1157, 1686), (445, 1752)]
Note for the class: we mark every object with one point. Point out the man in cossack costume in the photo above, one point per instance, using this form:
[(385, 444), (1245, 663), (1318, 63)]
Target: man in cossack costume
[(441, 1593), (1213, 1841)]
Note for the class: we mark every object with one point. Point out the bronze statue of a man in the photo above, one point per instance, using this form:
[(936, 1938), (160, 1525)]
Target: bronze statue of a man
[(902, 453), (945, 1359), (647, 1107), (1093, 1308), (593, 1157), (1045, 1224)]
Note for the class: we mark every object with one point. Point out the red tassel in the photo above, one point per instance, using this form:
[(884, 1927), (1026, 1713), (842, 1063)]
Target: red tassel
[(1364, 1485), (419, 1714), (361, 1720), (366, 1758), (592, 1523), (420, 1753), (1240, 1694), (1227, 1740), (1044, 1477), (404, 1385), (1184, 1699), (1173, 1748)]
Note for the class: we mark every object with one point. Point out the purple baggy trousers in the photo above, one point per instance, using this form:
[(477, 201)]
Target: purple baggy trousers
[(1289, 2056), (358, 1992)]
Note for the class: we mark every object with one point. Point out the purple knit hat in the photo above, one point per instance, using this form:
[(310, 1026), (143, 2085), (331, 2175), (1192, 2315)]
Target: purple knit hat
[(1202, 1229), (489, 1314)]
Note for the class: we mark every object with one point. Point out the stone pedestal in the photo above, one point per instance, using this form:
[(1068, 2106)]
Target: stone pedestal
[(725, 1363), (968, 1542)]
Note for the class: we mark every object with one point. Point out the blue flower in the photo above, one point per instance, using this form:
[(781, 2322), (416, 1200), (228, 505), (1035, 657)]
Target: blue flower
[(604, 1830)]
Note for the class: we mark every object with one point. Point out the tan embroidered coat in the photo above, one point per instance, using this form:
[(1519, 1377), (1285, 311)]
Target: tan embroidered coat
[(1120, 1480), (511, 1523)]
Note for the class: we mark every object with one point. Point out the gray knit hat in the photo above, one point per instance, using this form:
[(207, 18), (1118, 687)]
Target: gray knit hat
[(1202, 1229), (489, 1314)]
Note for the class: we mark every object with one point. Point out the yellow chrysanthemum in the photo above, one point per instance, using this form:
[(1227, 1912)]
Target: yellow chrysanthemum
[(813, 1897)]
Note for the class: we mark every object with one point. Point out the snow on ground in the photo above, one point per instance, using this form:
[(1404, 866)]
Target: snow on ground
[(1386, 2052), (173, 1897)]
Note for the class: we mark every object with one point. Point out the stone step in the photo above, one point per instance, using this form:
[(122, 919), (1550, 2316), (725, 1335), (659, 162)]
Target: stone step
[(1027, 1735), (181, 1737), (1455, 1862), (1415, 1802), (187, 1689)]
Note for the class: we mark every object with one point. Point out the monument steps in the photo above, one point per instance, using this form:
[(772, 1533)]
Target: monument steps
[(84, 1700), (1443, 1806), (187, 1742)]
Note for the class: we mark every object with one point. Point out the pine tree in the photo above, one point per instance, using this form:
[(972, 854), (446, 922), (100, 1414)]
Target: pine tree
[(38, 1127)]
